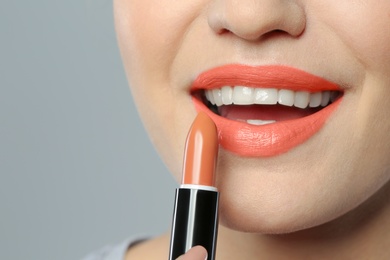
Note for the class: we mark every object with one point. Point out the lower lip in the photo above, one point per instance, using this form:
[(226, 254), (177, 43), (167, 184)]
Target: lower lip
[(267, 140)]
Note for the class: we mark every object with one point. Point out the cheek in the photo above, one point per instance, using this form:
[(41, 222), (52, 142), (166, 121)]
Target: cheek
[(149, 34), (150, 31), (373, 123), (364, 27)]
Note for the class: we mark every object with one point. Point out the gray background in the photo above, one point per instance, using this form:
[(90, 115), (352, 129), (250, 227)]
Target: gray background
[(77, 170)]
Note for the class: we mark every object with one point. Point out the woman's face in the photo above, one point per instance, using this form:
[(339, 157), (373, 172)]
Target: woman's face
[(275, 186)]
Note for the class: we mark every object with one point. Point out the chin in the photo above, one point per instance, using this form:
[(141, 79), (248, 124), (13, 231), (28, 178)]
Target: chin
[(259, 197), (239, 217)]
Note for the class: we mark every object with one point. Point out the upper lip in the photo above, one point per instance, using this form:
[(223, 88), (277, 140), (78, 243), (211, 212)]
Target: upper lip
[(269, 76)]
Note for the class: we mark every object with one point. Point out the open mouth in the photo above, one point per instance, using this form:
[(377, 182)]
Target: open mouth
[(261, 106), (265, 110)]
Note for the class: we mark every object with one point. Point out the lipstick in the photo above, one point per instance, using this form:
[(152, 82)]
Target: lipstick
[(271, 139), (195, 216)]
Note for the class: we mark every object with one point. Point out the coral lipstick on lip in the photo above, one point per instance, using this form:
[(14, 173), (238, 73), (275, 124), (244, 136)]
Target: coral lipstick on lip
[(271, 139), (272, 76), (195, 217)]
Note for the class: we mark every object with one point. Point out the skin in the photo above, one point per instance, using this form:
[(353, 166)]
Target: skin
[(327, 198)]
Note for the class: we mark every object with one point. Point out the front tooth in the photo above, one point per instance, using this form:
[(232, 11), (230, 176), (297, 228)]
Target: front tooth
[(301, 99), (217, 94), (266, 96), (286, 97), (227, 95), (259, 122), (210, 96), (325, 98), (315, 99), (242, 95)]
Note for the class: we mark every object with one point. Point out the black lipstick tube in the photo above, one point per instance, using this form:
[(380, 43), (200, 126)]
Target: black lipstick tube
[(195, 220)]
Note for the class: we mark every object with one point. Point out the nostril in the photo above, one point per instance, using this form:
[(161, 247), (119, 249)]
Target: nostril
[(252, 20), (276, 33), (224, 31)]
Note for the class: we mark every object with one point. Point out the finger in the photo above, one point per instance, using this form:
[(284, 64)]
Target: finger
[(195, 253)]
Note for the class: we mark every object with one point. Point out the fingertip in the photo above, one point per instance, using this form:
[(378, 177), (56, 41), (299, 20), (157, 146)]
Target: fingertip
[(201, 251), (195, 253)]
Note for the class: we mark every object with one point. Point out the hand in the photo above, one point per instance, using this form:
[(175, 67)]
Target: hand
[(195, 253)]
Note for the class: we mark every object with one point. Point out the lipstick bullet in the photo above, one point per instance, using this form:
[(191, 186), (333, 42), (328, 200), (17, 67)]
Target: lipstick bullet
[(195, 217)]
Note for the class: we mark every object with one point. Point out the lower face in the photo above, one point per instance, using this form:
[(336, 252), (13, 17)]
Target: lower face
[(167, 46)]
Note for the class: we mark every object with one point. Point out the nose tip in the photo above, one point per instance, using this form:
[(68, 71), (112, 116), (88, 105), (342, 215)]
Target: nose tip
[(252, 19)]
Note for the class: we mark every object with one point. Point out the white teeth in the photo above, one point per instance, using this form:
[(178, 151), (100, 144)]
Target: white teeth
[(259, 122), (286, 97), (210, 96), (325, 98), (266, 96), (315, 99), (241, 95), (302, 99), (217, 94), (227, 95)]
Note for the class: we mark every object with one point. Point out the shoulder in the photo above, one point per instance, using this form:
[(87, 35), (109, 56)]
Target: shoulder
[(156, 248)]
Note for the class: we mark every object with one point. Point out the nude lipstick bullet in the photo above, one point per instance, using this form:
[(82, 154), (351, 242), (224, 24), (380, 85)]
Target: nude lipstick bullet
[(195, 216)]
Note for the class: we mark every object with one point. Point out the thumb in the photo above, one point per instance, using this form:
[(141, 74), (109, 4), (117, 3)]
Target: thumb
[(195, 253)]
